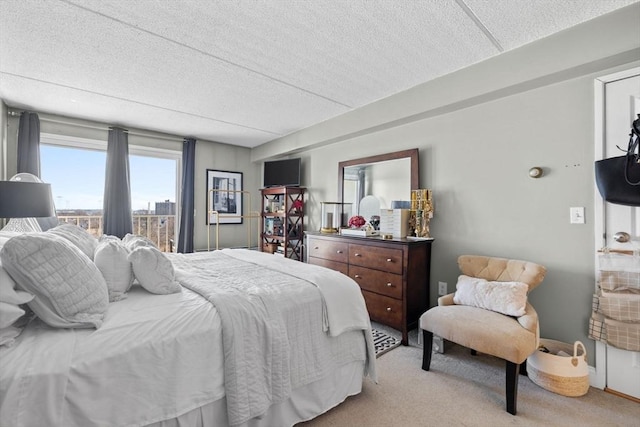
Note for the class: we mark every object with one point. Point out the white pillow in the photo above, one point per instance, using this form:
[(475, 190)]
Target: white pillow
[(508, 298), (132, 241), (153, 270), (8, 335), (9, 313), (111, 259), (69, 290), (78, 236)]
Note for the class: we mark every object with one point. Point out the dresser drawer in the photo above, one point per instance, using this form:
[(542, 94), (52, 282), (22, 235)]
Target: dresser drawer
[(377, 281), (385, 310), (384, 259), (334, 265), (330, 250)]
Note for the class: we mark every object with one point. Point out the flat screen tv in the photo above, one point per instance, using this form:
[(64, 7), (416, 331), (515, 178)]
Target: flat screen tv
[(282, 173)]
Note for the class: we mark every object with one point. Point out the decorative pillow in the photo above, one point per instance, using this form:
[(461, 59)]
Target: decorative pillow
[(69, 290), (132, 241), (153, 270), (111, 259), (508, 298), (8, 335), (78, 236), (10, 300)]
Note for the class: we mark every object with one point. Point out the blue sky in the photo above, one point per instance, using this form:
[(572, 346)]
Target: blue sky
[(77, 178)]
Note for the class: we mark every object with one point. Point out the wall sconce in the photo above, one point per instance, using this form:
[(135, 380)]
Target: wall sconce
[(535, 172)]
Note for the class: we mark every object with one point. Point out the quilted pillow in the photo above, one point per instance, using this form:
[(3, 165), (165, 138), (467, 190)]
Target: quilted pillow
[(153, 270), (508, 298), (78, 236), (111, 259), (10, 300), (69, 290)]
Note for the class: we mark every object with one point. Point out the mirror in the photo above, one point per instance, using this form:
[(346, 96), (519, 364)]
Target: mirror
[(386, 177)]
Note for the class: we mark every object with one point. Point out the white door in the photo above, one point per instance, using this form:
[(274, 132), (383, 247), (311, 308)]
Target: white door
[(621, 103)]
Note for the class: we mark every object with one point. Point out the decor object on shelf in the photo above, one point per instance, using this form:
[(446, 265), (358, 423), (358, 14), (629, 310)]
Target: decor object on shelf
[(421, 212), (331, 216), (224, 197), (357, 221)]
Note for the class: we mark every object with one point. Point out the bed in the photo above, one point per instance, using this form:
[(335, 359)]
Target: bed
[(229, 337)]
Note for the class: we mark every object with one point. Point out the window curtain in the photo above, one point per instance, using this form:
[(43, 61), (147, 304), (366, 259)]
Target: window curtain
[(117, 218), (29, 143), (185, 234)]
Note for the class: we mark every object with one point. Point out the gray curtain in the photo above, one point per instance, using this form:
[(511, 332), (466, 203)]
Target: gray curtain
[(117, 219), (185, 234), (29, 143)]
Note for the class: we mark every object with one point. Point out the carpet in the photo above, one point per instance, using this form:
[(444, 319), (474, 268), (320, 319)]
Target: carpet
[(383, 342)]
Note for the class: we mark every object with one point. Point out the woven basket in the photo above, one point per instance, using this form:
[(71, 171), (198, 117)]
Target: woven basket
[(565, 375)]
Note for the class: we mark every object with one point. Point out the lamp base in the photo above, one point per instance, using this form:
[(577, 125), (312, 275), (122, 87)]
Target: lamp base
[(328, 230)]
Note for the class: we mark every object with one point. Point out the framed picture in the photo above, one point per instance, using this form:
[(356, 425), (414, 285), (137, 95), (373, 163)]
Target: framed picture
[(224, 194)]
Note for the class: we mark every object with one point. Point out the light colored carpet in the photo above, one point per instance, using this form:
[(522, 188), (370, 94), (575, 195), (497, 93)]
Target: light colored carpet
[(465, 390)]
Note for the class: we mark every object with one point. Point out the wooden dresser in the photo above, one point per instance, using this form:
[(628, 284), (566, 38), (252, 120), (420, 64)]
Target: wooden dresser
[(393, 274)]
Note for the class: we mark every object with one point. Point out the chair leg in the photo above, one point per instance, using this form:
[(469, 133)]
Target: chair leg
[(523, 369), (427, 344), (512, 386)]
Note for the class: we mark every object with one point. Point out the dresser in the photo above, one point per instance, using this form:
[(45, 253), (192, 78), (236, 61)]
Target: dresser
[(393, 274)]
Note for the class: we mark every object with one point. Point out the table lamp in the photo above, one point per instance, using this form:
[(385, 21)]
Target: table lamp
[(19, 199)]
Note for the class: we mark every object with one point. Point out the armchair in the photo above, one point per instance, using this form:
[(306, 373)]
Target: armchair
[(512, 338)]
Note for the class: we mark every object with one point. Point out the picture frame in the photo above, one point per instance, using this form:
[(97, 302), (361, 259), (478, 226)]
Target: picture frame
[(226, 197)]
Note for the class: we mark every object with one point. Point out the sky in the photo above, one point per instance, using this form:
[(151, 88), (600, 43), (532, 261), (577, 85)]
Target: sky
[(77, 178)]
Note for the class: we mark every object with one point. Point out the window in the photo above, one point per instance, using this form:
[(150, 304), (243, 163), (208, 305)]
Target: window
[(75, 168)]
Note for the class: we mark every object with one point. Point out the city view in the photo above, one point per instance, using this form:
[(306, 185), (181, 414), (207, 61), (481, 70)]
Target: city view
[(77, 183)]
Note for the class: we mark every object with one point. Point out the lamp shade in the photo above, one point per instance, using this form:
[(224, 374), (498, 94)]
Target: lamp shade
[(20, 199)]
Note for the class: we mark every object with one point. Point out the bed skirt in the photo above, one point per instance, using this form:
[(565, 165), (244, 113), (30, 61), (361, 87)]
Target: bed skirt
[(304, 404)]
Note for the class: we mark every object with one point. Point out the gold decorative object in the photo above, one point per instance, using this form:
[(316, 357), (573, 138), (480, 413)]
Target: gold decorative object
[(421, 212)]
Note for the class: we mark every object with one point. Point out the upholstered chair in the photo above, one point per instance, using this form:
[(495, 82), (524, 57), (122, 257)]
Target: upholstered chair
[(461, 318)]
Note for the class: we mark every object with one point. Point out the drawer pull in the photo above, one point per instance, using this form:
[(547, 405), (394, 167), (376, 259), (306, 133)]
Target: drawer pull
[(316, 248), (357, 276), (389, 285), (358, 255), (338, 252), (388, 308), (389, 260)]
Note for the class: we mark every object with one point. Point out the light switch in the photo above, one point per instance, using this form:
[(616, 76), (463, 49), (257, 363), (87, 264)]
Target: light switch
[(576, 215)]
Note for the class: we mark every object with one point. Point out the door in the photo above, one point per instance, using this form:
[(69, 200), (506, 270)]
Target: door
[(619, 97)]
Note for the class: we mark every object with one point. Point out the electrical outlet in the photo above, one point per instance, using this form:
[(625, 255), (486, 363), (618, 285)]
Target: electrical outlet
[(442, 288)]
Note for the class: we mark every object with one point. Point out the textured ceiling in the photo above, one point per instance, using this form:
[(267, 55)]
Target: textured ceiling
[(247, 72)]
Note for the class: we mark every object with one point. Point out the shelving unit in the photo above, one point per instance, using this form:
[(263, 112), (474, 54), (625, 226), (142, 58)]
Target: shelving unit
[(282, 221)]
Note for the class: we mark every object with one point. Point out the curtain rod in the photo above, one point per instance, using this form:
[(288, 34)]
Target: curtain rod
[(14, 113)]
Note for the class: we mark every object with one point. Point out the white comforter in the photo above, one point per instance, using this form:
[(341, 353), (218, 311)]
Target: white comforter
[(263, 311), (159, 356)]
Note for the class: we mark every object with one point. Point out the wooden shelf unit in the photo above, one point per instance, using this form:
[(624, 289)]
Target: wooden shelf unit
[(283, 228)]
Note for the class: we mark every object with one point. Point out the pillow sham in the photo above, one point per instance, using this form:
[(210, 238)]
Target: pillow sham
[(69, 290), (78, 236), (111, 259), (132, 241), (153, 270), (508, 298)]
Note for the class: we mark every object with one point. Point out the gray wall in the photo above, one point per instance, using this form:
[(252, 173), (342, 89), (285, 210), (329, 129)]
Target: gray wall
[(478, 131)]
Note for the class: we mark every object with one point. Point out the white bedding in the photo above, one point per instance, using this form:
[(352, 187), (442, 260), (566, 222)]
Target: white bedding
[(157, 357), (146, 363)]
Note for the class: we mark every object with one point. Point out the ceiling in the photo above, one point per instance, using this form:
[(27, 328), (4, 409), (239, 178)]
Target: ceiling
[(247, 72)]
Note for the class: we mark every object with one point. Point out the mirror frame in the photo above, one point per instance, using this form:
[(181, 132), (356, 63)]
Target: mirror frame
[(412, 154)]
